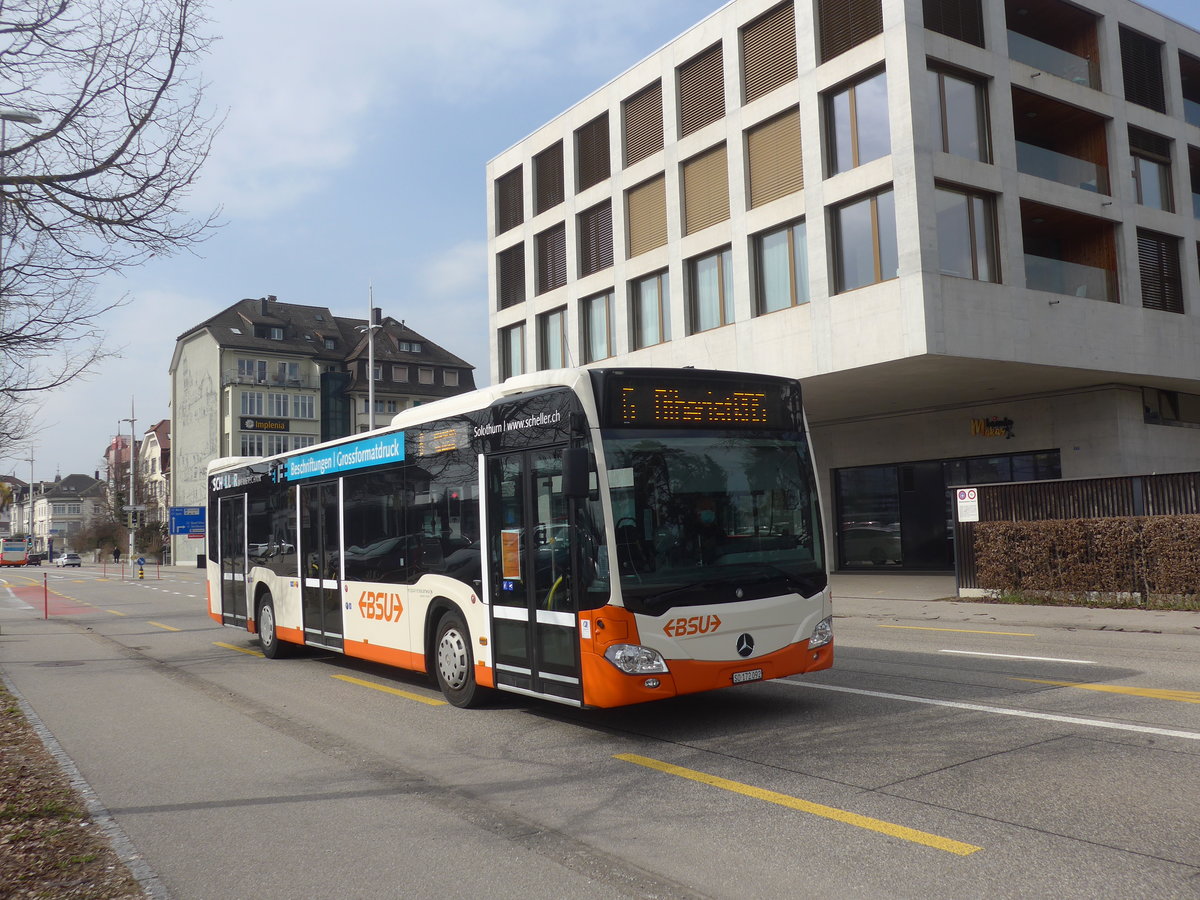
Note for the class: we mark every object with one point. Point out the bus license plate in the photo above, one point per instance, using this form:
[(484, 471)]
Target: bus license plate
[(743, 677)]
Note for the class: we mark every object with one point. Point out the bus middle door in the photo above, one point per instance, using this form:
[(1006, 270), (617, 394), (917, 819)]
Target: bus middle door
[(534, 624), (321, 562), (232, 537)]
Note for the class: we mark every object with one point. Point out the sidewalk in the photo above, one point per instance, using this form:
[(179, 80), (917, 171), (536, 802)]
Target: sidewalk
[(931, 598)]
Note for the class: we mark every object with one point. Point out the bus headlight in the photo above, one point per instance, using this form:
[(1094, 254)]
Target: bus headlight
[(822, 634), (633, 659)]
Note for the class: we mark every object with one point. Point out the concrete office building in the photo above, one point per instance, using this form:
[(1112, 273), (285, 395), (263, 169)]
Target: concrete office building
[(970, 227)]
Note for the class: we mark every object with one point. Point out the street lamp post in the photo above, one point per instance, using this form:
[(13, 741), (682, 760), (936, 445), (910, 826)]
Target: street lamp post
[(373, 324), (132, 482)]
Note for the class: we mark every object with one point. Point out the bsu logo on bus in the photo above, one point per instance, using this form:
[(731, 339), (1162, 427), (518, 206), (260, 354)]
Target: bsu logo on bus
[(691, 625)]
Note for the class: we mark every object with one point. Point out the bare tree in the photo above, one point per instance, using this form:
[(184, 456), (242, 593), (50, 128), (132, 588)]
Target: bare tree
[(103, 134)]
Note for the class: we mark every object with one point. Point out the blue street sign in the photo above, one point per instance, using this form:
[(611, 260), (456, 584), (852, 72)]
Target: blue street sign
[(187, 520)]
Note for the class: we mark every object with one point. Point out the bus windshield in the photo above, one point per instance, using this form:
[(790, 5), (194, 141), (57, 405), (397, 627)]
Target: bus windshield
[(717, 517)]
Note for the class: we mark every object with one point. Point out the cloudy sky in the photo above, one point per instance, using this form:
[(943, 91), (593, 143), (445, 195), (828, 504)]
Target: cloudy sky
[(353, 154)]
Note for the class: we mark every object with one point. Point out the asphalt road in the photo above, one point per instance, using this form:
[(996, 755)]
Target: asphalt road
[(955, 750)]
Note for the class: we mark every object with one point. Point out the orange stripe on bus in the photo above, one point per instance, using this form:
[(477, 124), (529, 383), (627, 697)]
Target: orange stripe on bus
[(390, 656)]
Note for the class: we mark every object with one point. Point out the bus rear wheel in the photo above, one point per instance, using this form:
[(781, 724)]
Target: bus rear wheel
[(454, 663), (272, 646)]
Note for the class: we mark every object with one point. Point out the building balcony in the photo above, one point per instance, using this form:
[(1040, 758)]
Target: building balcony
[(1057, 276), (1054, 166), (1069, 253), (1048, 58), (1060, 142), (271, 381)]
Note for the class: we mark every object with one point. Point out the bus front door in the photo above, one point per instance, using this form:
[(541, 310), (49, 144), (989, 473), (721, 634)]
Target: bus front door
[(534, 625), (233, 560), (320, 556)]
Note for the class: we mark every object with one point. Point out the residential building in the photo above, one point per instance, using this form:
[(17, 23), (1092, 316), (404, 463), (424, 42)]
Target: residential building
[(62, 508), (154, 472), (969, 227), (263, 377), (12, 490)]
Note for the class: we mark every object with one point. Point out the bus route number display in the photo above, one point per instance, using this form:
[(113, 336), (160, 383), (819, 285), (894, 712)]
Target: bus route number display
[(701, 404)]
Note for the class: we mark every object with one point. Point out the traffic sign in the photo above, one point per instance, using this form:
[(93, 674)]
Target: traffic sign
[(187, 520)]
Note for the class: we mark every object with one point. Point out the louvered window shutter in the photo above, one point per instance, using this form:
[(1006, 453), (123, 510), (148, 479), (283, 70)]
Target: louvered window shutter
[(769, 52), (1141, 67), (548, 178), (643, 124), (595, 238), (510, 275), (701, 91), (646, 212), (775, 159), (1162, 283), (847, 23), (510, 201), (591, 153), (959, 19), (705, 190), (551, 250)]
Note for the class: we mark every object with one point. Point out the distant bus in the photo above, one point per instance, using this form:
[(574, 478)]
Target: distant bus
[(14, 552), (595, 537)]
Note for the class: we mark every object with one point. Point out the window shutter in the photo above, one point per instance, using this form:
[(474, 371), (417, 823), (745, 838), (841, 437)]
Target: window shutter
[(643, 124), (705, 190), (701, 91), (769, 51), (595, 238), (551, 251), (959, 19), (548, 178), (1141, 67), (847, 23), (647, 215), (591, 153), (774, 154), (1162, 283), (1149, 144), (510, 202), (510, 275)]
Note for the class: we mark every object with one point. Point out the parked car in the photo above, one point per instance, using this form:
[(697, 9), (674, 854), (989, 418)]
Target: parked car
[(68, 559), (35, 559)]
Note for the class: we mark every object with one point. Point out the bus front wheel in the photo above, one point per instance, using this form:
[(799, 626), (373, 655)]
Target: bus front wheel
[(272, 647), (455, 663)]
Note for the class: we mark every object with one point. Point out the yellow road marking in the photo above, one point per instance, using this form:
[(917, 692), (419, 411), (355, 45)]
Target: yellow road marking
[(816, 809), (1155, 693), (161, 625), (961, 630), (408, 695), (245, 650), (115, 613)]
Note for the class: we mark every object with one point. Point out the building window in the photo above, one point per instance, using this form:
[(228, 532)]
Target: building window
[(252, 403), (1170, 407), (842, 24), (597, 327), (550, 248), (425, 375), (966, 224), (1151, 158), (591, 153), (552, 339), (646, 215), (377, 373), (510, 200), (1141, 69), (450, 377), (643, 115), (857, 123), (275, 333), (595, 238), (400, 373), (959, 19), (1162, 281), (774, 159), (277, 406), (705, 190), (548, 188), (701, 91), (252, 445), (274, 443), (649, 316), (510, 276), (252, 370), (960, 118), (710, 291), (303, 407), (300, 441), (781, 268), (330, 344), (512, 350), (769, 52), (287, 372), (864, 234)]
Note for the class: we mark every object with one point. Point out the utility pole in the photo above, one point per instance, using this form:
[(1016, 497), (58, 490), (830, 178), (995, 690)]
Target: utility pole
[(29, 534), (132, 420)]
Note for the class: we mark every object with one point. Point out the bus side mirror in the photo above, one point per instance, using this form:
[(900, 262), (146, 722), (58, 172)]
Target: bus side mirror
[(575, 472)]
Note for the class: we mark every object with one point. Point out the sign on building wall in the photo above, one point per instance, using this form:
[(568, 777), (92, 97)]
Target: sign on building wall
[(968, 504)]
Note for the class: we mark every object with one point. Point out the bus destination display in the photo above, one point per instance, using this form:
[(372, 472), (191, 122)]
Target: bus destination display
[(694, 403)]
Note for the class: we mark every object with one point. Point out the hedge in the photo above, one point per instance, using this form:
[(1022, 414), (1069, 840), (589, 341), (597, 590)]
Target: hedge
[(1140, 555)]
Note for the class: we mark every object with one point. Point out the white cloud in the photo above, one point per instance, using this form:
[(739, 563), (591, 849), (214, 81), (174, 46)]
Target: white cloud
[(459, 272)]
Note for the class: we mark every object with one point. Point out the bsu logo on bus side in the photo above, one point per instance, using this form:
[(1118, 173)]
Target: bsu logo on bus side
[(691, 625), (380, 605)]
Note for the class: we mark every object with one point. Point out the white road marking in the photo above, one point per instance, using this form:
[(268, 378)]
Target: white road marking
[(1001, 711), (1082, 662)]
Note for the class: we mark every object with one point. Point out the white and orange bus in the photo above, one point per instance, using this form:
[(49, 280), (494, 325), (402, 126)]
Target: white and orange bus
[(14, 552), (594, 537)]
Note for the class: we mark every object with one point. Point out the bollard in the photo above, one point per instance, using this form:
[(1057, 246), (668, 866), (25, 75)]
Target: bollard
[(45, 598), (141, 573)]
